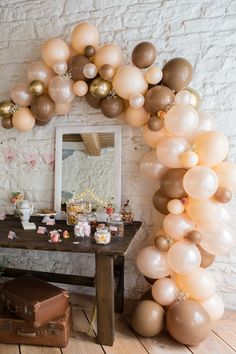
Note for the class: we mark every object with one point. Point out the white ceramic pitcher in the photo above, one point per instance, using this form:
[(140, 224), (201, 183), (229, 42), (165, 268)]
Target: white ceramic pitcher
[(25, 210)]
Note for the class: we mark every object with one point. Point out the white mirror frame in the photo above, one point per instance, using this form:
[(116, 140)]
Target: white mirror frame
[(60, 131)]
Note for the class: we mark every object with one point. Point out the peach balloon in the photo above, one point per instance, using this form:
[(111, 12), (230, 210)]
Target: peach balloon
[(136, 101), (177, 226), (151, 167), (60, 67), (83, 35), (175, 206), (200, 182), (108, 54), (199, 284), (54, 50), (136, 117), (164, 291), (61, 90), (181, 120), (23, 120), (183, 97), (80, 88), (206, 122), (202, 211), (189, 159), (152, 138), (226, 173), (170, 149), (40, 71), (183, 257), (153, 263), (21, 95), (153, 75), (62, 108), (129, 80), (212, 147), (214, 306)]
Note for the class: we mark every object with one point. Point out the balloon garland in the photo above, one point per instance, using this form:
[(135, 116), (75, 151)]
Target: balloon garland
[(187, 158)]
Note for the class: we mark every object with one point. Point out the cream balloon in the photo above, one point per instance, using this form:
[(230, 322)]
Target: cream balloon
[(199, 284), (62, 108), (23, 120), (153, 263), (39, 71), (136, 101), (108, 54), (183, 97), (183, 257), (177, 226), (151, 167), (80, 88), (170, 149), (214, 306), (164, 291), (189, 159), (83, 35), (129, 80), (90, 71), (218, 238), (200, 182), (54, 50), (206, 122), (21, 95), (136, 117), (152, 138), (181, 120), (212, 148), (61, 90), (202, 211), (60, 67), (175, 206), (153, 75), (226, 173)]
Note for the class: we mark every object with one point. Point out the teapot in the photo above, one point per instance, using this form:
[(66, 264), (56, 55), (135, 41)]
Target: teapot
[(24, 209)]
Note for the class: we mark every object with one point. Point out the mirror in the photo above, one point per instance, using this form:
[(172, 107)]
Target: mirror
[(88, 165)]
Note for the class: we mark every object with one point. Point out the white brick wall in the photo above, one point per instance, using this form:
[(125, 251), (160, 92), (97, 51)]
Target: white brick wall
[(201, 31)]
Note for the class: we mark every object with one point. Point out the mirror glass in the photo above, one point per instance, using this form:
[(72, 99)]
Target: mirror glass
[(87, 166)]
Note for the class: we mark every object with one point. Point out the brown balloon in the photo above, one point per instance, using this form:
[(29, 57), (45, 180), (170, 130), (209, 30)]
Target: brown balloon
[(194, 237), (223, 195), (158, 98), (41, 123), (144, 54), (206, 258), (92, 101), (160, 202), (171, 183), (188, 322), (148, 318), (112, 107), (76, 65), (148, 294), (43, 107), (89, 51), (177, 74), (107, 72), (7, 123), (154, 123), (162, 243)]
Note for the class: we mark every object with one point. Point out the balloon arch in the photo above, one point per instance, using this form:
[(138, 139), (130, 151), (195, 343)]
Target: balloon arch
[(187, 158)]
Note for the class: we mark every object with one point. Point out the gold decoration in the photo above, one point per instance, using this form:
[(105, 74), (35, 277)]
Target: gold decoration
[(100, 88), (66, 75), (181, 295), (36, 87), (161, 114), (6, 108)]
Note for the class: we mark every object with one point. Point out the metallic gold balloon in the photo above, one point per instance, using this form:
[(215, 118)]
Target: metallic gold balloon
[(195, 99), (194, 237), (36, 87), (100, 88), (162, 243), (89, 51), (7, 123), (6, 108)]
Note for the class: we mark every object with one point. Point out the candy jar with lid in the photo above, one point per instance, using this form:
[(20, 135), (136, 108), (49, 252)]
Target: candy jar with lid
[(127, 214), (102, 236), (116, 225)]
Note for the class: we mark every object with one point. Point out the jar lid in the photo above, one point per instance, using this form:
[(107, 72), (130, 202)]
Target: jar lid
[(116, 217)]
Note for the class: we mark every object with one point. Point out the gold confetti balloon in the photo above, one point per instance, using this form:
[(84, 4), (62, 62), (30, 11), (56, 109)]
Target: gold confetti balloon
[(100, 88), (6, 108)]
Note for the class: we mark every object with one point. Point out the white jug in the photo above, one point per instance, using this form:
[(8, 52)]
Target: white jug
[(25, 210)]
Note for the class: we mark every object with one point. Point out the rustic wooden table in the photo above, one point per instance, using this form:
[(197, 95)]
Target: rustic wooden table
[(109, 278)]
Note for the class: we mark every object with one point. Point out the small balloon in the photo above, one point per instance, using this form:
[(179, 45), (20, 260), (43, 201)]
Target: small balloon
[(153, 75), (195, 100), (89, 51), (84, 34), (60, 67), (76, 67), (177, 74), (194, 237), (90, 71), (100, 88), (164, 291), (21, 95), (223, 195), (154, 123), (36, 87), (162, 243), (7, 123), (160, 202), (112, 107), (158, 98), (171, 184), (107, 72), (136, 117), (80, 88), (136, 101), (175, 206), (53, 50), (189, 159), (6, 108), (144, 54), (23, 119)]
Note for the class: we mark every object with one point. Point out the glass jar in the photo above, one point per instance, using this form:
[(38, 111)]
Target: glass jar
[(76, 208), (82, 229), (92, 220), (102, 236), (127, 214), (116, 225)]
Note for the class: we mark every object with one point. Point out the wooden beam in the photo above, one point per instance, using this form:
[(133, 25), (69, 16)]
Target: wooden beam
[(92, 144)]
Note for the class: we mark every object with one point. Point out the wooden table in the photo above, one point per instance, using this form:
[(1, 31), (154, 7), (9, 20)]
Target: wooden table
[(109, 278)]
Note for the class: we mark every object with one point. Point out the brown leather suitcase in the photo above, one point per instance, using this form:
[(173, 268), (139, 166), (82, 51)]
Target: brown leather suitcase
[(34, 300), (14, 330)]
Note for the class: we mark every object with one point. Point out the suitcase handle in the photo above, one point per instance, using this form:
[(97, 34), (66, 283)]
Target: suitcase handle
[(25, 334)]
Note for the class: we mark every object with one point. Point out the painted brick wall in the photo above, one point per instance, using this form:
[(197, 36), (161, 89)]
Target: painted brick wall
[(201, 31)]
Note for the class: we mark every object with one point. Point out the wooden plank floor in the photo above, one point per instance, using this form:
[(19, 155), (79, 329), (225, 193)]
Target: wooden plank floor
[(222, 339)]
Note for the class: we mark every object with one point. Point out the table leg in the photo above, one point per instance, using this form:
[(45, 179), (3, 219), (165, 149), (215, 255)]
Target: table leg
[(105, 299), (119, 277)]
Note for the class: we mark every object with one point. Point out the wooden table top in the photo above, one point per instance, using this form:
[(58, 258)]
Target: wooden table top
[(29, 239)]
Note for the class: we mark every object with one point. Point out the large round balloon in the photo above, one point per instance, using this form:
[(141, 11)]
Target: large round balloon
[(61, 90), (171, 183), (170, 149), (151, 167), (188, 322), (152, 138), (76, 66), (177, 74), (136, 117), (21, 95), (200, 182), (129, 80), (154, 318), (39, 71), (212, 147), (23, 119), (181, 120), (160, 202), (226, 173), (177, 226), (85, 34), (183, 257), (53, 50), (108, 54), (43, 107), (158, 98), (202, 211), (112, 107), (144, 54), (214, 306), (164, 291), (152, 263)]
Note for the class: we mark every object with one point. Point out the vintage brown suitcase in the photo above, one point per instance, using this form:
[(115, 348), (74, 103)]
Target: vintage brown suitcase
[(14, 330), (34, 300)]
